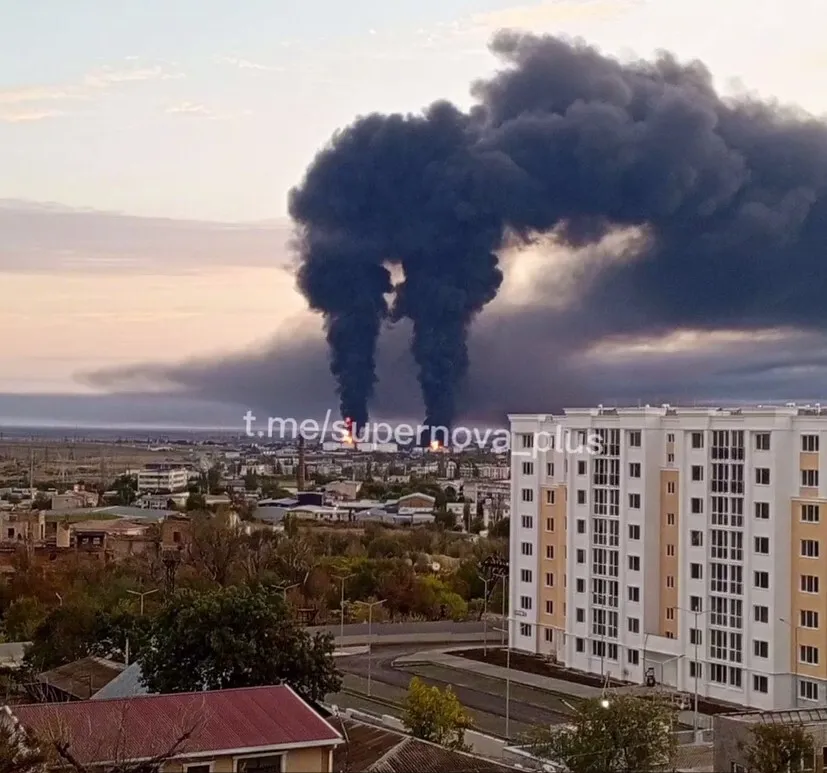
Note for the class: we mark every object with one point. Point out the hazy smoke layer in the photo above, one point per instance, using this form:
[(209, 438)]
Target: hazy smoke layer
[(728, 196)]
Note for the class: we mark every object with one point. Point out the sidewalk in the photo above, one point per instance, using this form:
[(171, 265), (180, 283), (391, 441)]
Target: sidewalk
[(445, 658)]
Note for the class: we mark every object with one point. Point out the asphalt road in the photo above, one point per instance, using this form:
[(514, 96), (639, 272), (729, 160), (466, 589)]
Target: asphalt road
[(480, 694), (398, 629)]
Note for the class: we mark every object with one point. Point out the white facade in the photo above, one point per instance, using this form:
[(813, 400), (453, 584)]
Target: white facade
[(738, 478), (153, 481)]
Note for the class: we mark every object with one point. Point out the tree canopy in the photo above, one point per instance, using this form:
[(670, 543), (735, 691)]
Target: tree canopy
[(435, 715), (778, 748), (235, 637)]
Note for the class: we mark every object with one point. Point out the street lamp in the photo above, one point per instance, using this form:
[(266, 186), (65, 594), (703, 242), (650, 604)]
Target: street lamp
[(696, 613), (342, 579), (794, 629), (504, 630), (370, 605), (485, 581), (141, 596)]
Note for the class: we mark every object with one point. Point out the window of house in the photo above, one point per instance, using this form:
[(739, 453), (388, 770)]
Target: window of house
[(528, 468), (670, 581), (762, 510), (634, 563), (202, 768), (809, 548), (579, 645), (762, 441), (760, 683), (808, 654), (809, 478), (633, 656), (809, 618), (670, 437), (634, 501), (634, 531), (526, 548), (761, 614), (580, 615), (762, 546), (634, 439), (762, 580), (550, 551), (809, 583), (670, 550), (670, 519), (580, 585), (525, 602), (695, 636), (697, 472), (810, 514), (696, 539), (581, 468), (525, 629), (266, 764), (670, 487), (696, 571), (527, 495), (581, 525), (696, 505), (634, 593), (580, 556), (581, 497), (696, 604), (808, 690), (761, 649), (670, 458), (525, 575), (634, 625), (527, 440), (527, 522), (670, 614), (634, 470), (762, 476), (549, 579), (809, 443), (549, 607), (550, 469), (697, 440)]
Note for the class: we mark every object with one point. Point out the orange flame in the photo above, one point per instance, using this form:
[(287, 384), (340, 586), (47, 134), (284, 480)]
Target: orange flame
[(434, 445)]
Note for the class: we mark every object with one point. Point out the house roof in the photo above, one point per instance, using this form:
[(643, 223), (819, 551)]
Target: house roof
[(81, 678), (380, 750), (127, 684), (129, 729)]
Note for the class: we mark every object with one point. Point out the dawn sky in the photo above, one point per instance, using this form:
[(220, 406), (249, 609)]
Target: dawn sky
[(209, 110)]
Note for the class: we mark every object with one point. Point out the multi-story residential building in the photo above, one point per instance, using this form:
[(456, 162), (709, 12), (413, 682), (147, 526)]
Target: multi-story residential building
[(686, 547), (153, 480)]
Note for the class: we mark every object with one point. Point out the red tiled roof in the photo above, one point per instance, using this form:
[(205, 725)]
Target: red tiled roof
[(124, 729)]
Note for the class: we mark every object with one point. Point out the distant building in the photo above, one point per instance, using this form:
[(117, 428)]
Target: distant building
[(75, 498), (154, 480)]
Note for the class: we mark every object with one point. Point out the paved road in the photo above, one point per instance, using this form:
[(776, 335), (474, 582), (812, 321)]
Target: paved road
[(397, 629), (477, 693)]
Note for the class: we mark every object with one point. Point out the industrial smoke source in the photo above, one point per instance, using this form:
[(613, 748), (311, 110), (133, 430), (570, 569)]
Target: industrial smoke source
[(728, 197)]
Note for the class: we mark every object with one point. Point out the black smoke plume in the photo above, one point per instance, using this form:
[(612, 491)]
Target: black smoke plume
[(728, 197)]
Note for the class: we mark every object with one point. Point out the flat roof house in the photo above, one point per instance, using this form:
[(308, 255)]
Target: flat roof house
[(246, 730)]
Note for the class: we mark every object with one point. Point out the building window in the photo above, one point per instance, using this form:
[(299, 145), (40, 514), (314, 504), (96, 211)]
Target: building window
[(695, 636), (762, 441), (549, 526), (580, 556), (809, 443), (550, 469), (634, 439), (527, 440), (670, 519), (527, 495), (526, 548), (634, 593), (808, 654), (670, 487), (810, 514), (760, 683), (809, 583), (550, 552), (528, 468), (762, 546), (634, 501), (697, 473), (581, 497), (548, 635), (761, 649), (633, 656), (634, 470), (809, 548), (697, 440), (762, 580), (525, 629), (525, 575), (581, 525), (634, 531), (527, 522), (670, 581), (581, 468), (695, 669), (580, 615), (266, 764), (762, 476), (549, 607), (525, 602), (762, 510), (696, 506), (809, 478), (696, 539), (670, 437), (549, 579), (634, 563), (696, 571), (579, 645), (634, 625), (808, 690), (580, 585), (809, 618), (696, 604), (670, 614)]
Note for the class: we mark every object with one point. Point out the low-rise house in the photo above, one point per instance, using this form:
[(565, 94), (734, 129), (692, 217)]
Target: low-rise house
[(74, 681), (250, 730), (74, 499)]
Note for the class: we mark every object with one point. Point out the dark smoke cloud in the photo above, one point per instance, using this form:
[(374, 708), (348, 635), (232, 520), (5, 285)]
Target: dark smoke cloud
[(726, 202), (728, 197)]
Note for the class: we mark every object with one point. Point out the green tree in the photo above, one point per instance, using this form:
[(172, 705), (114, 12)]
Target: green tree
[(621, 734), (251, 480), (446, 519), (126, 488), (778, 748), (22, 618), (501, 528), (196, 502), (435, 715), (235, 637)]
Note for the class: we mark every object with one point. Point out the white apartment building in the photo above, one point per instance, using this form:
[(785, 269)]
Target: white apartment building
[(153, 481), (689, 545)]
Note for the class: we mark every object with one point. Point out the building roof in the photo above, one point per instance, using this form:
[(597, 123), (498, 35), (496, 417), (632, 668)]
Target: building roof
[(82, 678), (12, 653), (127, 684), (380, 750), (128, 729)]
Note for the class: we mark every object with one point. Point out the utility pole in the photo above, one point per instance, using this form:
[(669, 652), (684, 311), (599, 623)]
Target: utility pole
[(343, 579), (370, 605)]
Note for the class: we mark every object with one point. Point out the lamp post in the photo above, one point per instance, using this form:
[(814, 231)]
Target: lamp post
[(697, 613), (794, 629), (370, 605), (142, 595), (343, 579), (485, 581), (504, 630)]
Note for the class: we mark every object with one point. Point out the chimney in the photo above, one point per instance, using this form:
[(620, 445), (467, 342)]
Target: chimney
[(300, 471)]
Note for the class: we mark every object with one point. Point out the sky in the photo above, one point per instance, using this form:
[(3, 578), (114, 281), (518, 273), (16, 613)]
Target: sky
[(148, 147)]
